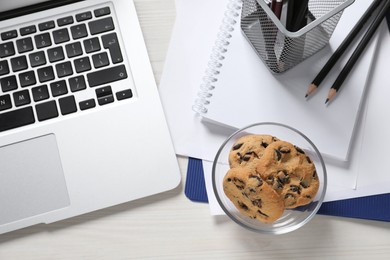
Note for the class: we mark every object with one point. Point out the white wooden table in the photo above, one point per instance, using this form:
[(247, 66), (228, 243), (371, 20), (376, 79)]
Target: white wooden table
[(169, 226)]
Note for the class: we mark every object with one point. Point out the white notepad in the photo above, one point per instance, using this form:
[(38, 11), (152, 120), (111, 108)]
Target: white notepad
[(246, 92)]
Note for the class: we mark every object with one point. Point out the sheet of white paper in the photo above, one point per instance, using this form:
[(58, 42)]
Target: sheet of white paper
[(375, 154), (196, 27)]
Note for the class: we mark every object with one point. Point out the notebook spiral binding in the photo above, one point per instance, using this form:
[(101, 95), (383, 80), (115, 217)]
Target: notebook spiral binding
[(217, 56)]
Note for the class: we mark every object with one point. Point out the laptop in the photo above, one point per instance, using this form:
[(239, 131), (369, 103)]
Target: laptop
[(81, 123)]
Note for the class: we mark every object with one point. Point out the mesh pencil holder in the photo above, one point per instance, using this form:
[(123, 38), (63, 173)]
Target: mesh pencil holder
[(281, 49)]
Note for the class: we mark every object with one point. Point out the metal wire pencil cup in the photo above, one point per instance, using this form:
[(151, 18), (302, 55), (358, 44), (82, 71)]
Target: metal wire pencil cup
[(281, 49)]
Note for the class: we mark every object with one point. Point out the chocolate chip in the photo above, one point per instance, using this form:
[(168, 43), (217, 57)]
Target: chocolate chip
[(304, 184), (295, 188), (262, 213), (283, 177), (299, 150), (237, 146), (260, 181), (289, 199), (270, 180), (314, 174), (308, 159), (278, 155), (254, 154), (240, 185), (289, 195), (246, 158), (308, 196), (285, 149), (277, 185), (257, 203), (238, 180), (264, 144), (229, 179), (243, 206)]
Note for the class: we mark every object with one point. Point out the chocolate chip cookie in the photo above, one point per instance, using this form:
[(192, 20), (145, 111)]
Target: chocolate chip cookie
[(252, 196), (290, 172), (248, 149)]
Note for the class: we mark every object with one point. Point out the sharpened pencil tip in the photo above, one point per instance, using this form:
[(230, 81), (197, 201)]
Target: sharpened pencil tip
[(332, 93), (312, 87)]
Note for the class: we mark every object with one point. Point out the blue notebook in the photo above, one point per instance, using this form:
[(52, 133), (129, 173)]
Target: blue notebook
[(374, 207)]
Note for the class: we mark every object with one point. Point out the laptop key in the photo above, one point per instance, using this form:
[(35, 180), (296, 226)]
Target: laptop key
[(82, 64), (40, 93), (110, 41), (42, 40), (16, 118), (9, 35), (55, 54), (77, 83), (73, 49), (47, 110), (102, 25), (106, 76), (79, 31), (8, 83), (105, 100), (58, 88), (102, 11), (87, 104), (28, 30), (7, 49), (61, 36), (65, 21), (5, 102), (92, 45), (22, 98), (27, 79), (67, 105), (124, 94), (104, 91), (19, 63), (100, 60), (4, 69), (83, 16), (46, 25), (24, 45), (64, 69), (37, 59), (45, 74)]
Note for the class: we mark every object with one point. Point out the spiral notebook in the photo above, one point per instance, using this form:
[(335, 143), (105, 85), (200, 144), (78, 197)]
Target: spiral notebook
[(238, 89)]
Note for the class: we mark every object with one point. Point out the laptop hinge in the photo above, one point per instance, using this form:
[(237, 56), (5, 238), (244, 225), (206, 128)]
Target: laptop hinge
[(34, 8)]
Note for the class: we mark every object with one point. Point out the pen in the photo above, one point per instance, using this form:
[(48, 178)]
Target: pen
[(276, 7)]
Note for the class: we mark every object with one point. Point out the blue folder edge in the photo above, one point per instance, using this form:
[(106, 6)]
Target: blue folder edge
[(376, 207)]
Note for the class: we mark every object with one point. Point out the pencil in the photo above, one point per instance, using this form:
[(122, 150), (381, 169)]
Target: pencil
[(358, 51), (341, 49), (278, 8)]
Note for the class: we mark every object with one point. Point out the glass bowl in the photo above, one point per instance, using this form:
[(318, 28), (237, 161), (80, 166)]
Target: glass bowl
[(291, 219)]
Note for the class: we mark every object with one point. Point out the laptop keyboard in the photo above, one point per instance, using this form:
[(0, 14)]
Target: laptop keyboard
[(44, 66)]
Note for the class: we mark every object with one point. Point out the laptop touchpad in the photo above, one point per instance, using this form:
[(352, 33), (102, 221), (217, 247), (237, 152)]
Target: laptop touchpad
[(31, 179)]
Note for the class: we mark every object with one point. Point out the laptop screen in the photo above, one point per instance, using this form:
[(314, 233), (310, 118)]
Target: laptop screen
[(7, 5)]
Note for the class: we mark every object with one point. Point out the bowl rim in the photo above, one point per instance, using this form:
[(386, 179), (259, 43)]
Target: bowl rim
[(280, 230)]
